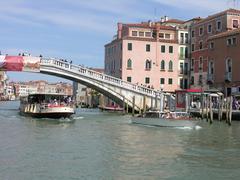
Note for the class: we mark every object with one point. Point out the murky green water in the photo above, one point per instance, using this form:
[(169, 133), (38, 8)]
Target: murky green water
[(106, 146)]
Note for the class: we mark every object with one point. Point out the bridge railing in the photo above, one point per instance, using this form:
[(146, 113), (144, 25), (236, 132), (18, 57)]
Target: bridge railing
[(97, 75)]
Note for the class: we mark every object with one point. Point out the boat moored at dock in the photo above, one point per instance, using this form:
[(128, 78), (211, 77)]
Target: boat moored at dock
[(166, 119)]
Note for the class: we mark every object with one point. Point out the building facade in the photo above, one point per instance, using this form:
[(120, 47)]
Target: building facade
[(31, 87), (201, 32), (145, 53), (3, 85), (224, 59)]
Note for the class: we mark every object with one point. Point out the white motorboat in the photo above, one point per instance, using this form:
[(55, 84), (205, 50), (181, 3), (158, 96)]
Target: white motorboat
[(47, 106), (166, 119)]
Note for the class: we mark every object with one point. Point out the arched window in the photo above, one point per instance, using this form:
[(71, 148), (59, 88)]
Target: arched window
[(148, 64), (170, 65), (129, 64), (211, 67), (229, 65), (162, 65)]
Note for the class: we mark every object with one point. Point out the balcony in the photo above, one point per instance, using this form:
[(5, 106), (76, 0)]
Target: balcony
[(228, 76), (182, 41), (210, 78)]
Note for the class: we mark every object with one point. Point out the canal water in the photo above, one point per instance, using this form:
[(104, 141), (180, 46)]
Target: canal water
[(99, 145)]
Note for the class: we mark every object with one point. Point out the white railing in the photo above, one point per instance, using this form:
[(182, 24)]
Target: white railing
[(98, 76)]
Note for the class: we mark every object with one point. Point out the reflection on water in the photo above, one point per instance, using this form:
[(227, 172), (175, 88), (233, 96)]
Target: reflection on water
[(96, 145)]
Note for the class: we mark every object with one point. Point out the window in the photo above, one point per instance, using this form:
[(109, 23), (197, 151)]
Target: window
[(154, 34), (162, 65), (193, 47), (229, 41), (201, 31), (209, 28), (170, 66), (200, 63), (211, 45), (181, 52), (185, 68), (186, 37), (192, 64), (192, 80), (161, 35), (200, 79), (186, 52), (181, 68), (167, 36), (193, 34), (148, 65), (148, 47), (129, 64), (134, 33), (170, 49), (147, 80), (200, 45), (182, 38), (181, 83), (234, 41), (235, 23), (147, 34), (219, 25), (130, 46), (162, 81), (163, 49), (129, 79), (170, 81), (229, 65), (141, 34)]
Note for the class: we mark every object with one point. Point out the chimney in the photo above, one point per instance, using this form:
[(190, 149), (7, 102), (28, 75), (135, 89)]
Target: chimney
[(119, 33), (150, 23), (165, 18)]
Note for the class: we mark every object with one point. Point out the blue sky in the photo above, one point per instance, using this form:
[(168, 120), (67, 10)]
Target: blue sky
[(78, 29)]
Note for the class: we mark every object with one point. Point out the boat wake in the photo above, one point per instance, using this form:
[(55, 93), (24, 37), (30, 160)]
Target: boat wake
[(78, 117), (189, 128), (66, 120)]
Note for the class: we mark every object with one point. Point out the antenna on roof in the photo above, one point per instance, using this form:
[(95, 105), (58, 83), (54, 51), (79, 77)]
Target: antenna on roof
[(234, 3), (155, 14)]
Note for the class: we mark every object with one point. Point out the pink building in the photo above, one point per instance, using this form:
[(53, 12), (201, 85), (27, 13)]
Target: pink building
[(145, 53)]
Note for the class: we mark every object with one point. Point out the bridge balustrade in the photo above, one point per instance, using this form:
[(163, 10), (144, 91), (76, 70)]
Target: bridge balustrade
[(96, 75)]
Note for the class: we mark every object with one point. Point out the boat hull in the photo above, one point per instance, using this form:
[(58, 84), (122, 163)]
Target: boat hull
[(47, 112), (162, 122), (56, 115)]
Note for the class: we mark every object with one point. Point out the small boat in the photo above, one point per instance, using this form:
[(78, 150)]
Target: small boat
[(50, 105), (166, 119), (111, 108)]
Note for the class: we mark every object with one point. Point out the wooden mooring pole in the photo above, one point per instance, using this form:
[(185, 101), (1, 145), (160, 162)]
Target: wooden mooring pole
[(144, 104), (211, 109), (124, 112), (133, 106), (207, 105), (203, 106), (230, 111)]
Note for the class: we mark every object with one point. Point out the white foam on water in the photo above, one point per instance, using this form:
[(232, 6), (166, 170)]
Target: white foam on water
[(197, 127), (79, 117), (185, 128)]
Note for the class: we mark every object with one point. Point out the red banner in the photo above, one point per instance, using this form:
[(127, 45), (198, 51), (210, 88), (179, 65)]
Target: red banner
[(20, 63)]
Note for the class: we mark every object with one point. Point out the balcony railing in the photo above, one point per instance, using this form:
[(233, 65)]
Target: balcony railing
[(228, 76)]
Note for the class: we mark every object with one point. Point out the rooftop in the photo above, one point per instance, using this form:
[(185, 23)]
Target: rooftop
[(225, 34)]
